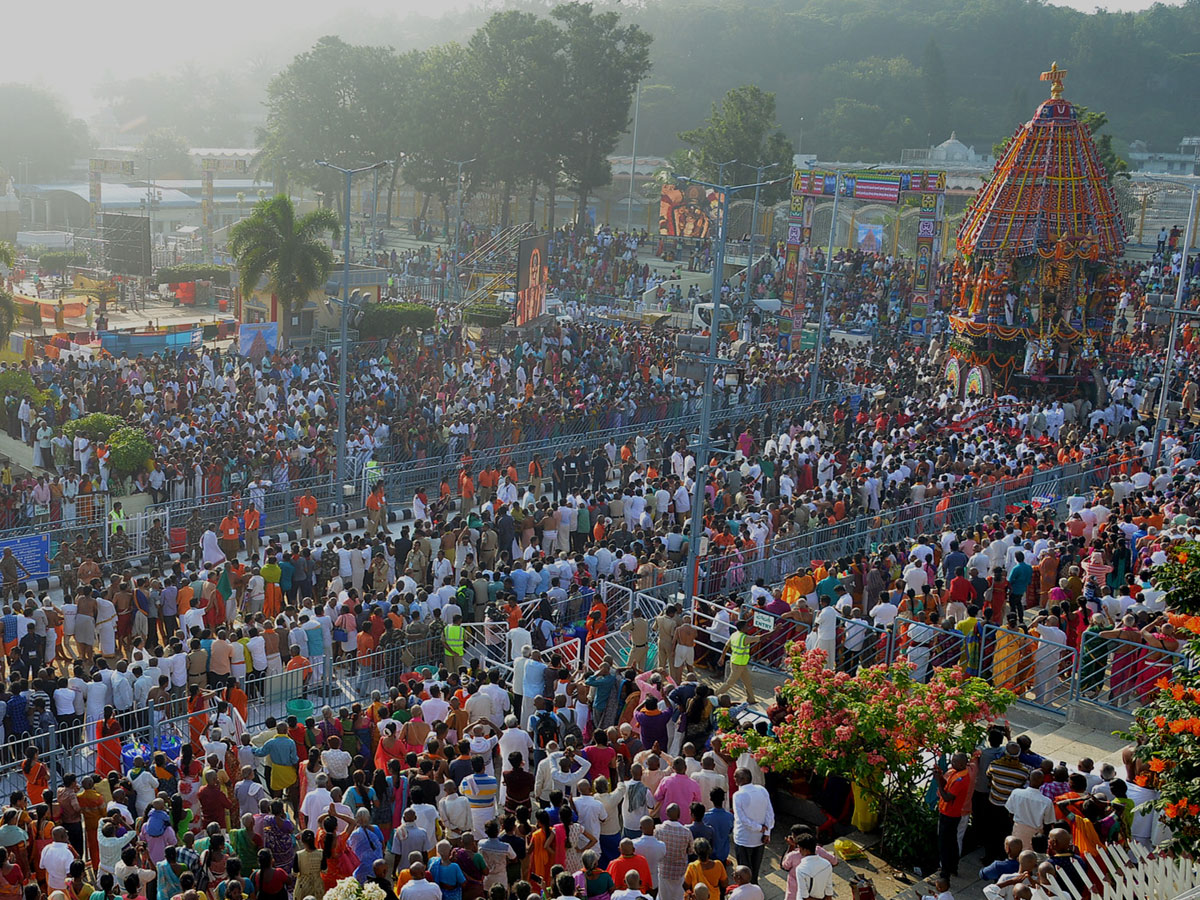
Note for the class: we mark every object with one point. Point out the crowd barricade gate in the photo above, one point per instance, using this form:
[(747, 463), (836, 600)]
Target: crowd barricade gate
[(1121, 675), (1040, 672), (927, 647), (861, 644)]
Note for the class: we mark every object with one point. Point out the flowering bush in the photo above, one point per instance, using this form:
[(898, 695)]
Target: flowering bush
[(879, 729), (350, 889), (1166, 731), (879, 721)]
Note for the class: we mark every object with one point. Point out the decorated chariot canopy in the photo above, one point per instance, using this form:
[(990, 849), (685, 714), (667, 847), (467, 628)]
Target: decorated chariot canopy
[(1033, 287)]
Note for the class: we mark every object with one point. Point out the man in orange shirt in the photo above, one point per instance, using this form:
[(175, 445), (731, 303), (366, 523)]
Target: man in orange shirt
[(954, 790), (229, 532), (307, 506), (466, 489), (488, 479), (535, 476), (299, 661), (252, 519), (376, 510)]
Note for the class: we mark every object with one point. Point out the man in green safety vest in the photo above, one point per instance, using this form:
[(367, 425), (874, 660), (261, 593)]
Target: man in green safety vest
[(737, 648), (116, 517), (454, 641)]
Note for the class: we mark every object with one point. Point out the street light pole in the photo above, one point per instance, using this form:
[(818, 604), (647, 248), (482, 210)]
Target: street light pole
[(1169, 361), (637, 102), (340, 467), (457, 227)]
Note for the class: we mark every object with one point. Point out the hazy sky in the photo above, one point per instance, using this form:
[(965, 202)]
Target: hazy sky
[(68, 45)]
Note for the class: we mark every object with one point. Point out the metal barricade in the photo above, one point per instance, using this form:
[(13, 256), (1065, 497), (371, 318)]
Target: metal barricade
[(861, 644), (713, 631), (1121, 674), (78, 748), (770, 650), (1039, 671), (927, 647)]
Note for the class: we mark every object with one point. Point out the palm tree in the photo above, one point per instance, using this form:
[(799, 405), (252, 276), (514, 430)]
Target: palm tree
[(8, 255), (292, 253)]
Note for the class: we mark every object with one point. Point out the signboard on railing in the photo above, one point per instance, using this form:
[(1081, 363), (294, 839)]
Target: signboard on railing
[(32, 551)]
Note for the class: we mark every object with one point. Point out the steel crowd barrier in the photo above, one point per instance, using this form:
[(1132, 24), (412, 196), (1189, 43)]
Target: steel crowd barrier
[(1120, 674), (1039, 671), (74, 745)]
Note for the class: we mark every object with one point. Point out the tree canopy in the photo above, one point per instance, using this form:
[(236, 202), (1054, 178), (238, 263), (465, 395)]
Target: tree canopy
[(742, 127), (40, 141), (529, 98)]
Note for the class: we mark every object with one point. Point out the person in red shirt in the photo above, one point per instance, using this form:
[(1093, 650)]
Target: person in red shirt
[(215, 804), (954, 789), (630, 861), (961, 590)]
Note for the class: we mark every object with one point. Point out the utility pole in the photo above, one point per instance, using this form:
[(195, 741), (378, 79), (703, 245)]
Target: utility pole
[(343, 349), (1160, 419), (457, 227)]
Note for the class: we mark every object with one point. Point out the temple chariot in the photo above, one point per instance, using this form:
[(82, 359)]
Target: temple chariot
[(1035, 284)]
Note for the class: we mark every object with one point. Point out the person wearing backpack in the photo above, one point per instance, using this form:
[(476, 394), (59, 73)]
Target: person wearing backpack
[(567, 726), (542, 633), (543, 724)]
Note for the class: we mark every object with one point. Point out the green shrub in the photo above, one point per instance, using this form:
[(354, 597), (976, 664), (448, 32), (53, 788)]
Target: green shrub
[(58, 261), (489, 315), (97, 426), (131, 450), (384, 320), (17, 383), (21, 384), (218, 275)]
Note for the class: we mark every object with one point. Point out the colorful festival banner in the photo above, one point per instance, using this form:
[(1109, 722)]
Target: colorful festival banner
[(258, 340), (690, 211)]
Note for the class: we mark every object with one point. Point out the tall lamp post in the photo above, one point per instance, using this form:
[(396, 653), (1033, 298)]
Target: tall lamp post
[(459, 164), (1160, 418), (340, 469), (637, 103), (709, 361)]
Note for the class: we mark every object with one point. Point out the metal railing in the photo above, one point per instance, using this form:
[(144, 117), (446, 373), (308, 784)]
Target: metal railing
[(1116, 674), (1120, 674), (927, 647), (75, 746), (1039, 671)]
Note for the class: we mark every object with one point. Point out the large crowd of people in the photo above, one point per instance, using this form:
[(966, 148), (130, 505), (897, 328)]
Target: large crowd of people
[(492, 722)]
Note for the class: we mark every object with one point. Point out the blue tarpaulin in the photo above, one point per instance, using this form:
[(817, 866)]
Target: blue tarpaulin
[(117, 343)]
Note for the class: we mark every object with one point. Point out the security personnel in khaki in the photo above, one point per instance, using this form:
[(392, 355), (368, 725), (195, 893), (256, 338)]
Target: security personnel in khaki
[(737, 648), (638, 630), (454, 641)]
